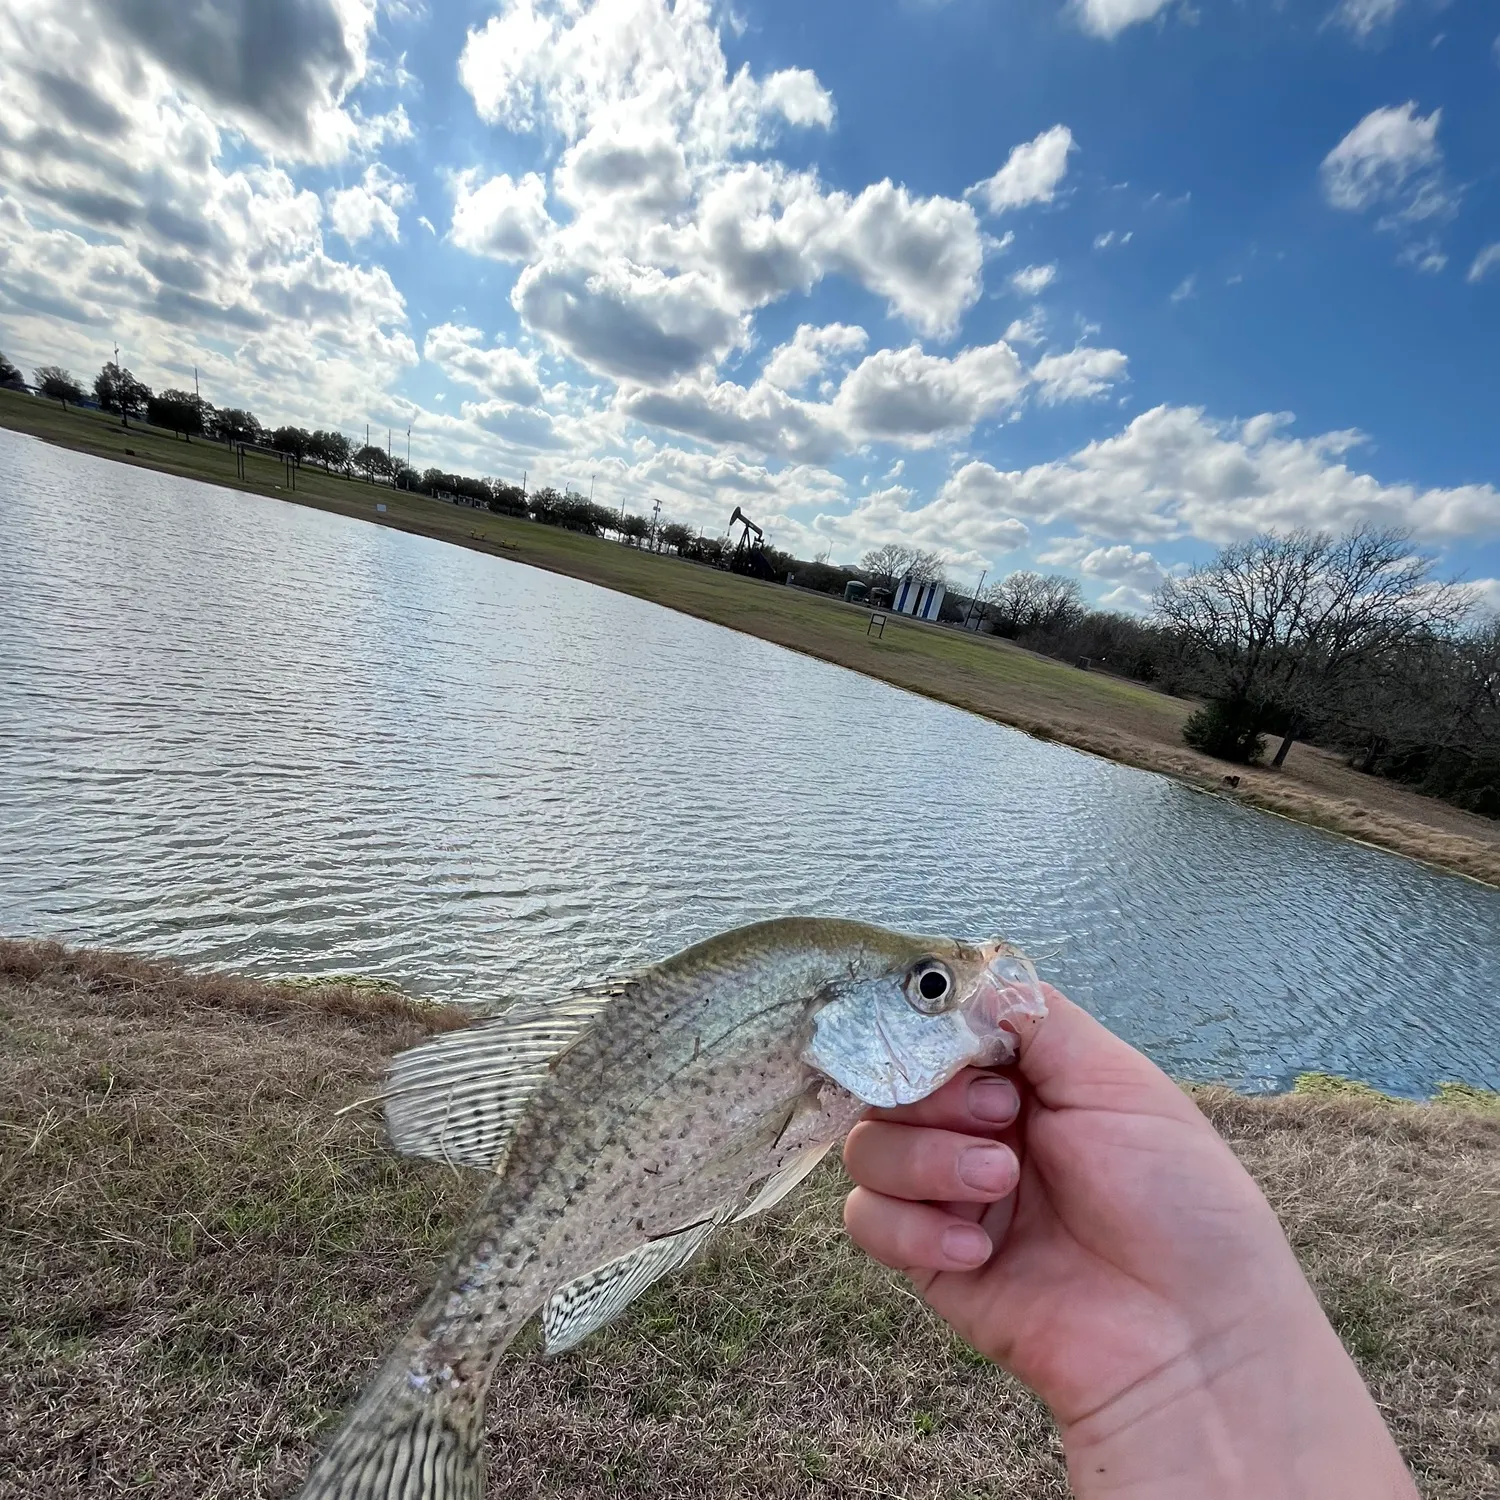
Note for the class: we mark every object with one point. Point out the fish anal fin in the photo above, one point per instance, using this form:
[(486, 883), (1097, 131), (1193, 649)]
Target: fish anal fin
[(581, 1307), (457, 1098)]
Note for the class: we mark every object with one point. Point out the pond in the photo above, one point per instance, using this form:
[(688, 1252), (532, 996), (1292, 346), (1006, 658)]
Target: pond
[(251, 735)]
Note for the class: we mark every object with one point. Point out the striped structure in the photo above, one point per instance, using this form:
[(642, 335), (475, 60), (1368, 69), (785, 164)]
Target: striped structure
[(922, 600)]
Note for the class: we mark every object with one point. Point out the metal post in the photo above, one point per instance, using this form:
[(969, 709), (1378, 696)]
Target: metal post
[(972, 602)]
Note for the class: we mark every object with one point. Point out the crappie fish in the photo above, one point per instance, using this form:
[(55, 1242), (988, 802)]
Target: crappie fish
[(626, 1123)]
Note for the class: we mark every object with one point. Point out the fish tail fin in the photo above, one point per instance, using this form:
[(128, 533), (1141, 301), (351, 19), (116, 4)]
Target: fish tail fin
[(406, 1441)]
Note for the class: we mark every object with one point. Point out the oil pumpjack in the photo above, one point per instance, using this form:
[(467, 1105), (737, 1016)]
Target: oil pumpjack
[(749, 557)]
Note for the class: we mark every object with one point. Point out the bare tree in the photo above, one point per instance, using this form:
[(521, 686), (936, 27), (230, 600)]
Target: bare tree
[(888, 565), (1026, 603), (1276, 623)]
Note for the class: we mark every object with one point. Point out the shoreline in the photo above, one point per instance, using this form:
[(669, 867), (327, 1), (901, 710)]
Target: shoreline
[(1108, 717), (205, 1255)]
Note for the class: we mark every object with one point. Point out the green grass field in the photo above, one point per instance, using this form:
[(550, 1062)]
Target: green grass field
[(1123, 721)]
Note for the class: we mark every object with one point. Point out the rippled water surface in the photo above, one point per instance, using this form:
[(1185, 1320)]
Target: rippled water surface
[(251, 735)]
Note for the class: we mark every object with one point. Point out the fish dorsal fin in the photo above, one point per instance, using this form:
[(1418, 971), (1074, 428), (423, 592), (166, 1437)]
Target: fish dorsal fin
[(576, 1310), (457, 1098)]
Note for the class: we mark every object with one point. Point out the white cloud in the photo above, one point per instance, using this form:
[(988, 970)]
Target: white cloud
[(505, 219), (501, 373), (1078, 375), (1108, 18), (1173, 472), (905, 395), (279, 70), (924, 254), (568, 65), (628, 321), (371, 207), (1185, 289), (1031, 329), (1031, 173), (126, 205), (797, 96), (1364, 18), (1032, 280), (970, 538), (792, 365), (1390, 160), (1485, 262), (1109, 237)]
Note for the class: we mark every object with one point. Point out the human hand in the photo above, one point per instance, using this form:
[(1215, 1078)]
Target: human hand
[(1085, 1227)]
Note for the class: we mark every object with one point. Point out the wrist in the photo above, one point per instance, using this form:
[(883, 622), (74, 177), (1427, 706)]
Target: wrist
[(1272, 1409)]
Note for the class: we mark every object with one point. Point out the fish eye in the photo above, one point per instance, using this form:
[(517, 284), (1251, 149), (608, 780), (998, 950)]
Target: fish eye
[(930, 984)]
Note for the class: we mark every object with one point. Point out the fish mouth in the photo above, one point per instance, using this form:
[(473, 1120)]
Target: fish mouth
[(1005, 1005)]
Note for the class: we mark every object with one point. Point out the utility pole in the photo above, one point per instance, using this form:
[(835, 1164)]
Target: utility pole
[(592, 478), (972, 602), (197, 394), (655, 512), (408, 445)]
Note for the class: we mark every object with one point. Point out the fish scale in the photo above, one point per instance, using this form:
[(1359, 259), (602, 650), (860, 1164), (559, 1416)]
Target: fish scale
[(625, 1125)]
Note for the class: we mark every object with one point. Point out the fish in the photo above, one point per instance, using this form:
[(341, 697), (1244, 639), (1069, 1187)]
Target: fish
[(627, 1122)]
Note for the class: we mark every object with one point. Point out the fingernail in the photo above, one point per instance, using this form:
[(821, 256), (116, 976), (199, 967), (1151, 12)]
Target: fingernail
[(966, 1244), (991, 1169), (994, 1100)]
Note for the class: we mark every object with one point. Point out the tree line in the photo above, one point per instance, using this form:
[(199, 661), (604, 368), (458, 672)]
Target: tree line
[(1349, 642)]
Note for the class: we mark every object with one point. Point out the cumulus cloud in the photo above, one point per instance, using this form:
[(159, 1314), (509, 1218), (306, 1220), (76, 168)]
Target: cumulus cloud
[(1031, 174), (121, 209), (906, 397), (501, 218), (500, 372), (628, 321), (371, 207), (965, 536), (567, 66), (1108, 18), (1174, 472), (1032, 280), (792, 365), (280, 69), (1390, 160), (1078, 375), (663, 167)]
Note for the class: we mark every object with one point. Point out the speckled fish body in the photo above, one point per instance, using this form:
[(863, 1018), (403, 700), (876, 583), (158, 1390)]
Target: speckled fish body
[(625, 1124)]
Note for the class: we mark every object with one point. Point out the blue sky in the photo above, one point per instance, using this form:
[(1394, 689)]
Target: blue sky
[(1093, 285)]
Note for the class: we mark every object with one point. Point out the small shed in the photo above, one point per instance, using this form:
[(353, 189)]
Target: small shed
[(920, 600)]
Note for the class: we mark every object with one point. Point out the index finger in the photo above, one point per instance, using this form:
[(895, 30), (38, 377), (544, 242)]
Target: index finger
[(973, 1102)]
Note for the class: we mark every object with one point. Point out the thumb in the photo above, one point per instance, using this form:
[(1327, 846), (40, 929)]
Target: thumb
[(1071, 1060)]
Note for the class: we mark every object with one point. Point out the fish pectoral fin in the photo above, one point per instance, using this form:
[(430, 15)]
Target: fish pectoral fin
[(780, 1183), (576, 1310), (457, 1098)]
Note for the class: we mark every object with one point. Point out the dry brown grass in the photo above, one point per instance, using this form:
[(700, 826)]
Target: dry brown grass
[(1122, 721), (201, 1261)]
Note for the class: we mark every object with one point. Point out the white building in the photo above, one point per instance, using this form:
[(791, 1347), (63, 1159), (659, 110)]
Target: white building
[(921, 600)]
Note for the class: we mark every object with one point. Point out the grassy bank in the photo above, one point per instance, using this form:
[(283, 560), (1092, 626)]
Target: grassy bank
[(1122, 721), (201, 1260)]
